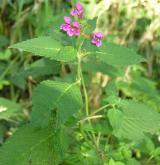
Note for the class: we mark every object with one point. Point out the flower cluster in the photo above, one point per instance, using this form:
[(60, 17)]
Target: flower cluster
[(74, 28), (70, 28)]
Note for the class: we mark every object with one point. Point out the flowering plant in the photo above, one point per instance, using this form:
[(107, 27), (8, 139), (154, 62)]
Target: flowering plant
[(61, 106), (75, 28)]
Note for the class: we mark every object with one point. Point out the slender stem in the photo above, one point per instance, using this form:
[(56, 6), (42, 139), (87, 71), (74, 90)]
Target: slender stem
[(85, 95), (80, 77), (82, 82), (90, 118), (100, 109)]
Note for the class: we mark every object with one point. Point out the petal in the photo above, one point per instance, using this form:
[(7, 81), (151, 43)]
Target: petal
[(79, 6), (99, 43), (76, 25), (65, 27), (77, 32), (73, 12), (99, 34), (80, 14), (93, 41), (70, 32), (67, 20)]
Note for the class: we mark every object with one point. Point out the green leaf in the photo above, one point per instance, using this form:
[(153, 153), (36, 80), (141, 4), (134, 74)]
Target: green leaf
[(112, 162), (134, 121), (117, 55), (62, 97), (47, 47), (36, 70), (67, 53), (3, 83), (91, 25), (133, 162), (115, 118), (31, 145), (94, 65), (53, 103), (8, 108), (111, 88), (5, 55)]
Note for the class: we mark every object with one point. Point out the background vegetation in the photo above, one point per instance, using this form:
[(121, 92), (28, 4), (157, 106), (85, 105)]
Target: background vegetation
[(135, 24)]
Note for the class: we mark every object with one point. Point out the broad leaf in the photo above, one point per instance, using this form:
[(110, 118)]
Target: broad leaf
[(94, 65), (47, 47), (118, 55), (64, 98), (134, 121), (32, 146)]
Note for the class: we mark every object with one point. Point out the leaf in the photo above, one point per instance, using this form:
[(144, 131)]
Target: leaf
[(31, 146), (67, 53), (3, 83), (95, 65), (62, 97), (117, 55), (134, 121), (91, 25), (112, 162), (36, 70), (133, 162), (115, 118), (53, 103), (8, 108), (111, 88), (5, 55), (47, 47)]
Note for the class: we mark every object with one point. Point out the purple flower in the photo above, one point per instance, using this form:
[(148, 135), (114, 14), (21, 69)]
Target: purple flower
[(78, 11), (97, 39), (67, 25), (74, 29), (70, 29)]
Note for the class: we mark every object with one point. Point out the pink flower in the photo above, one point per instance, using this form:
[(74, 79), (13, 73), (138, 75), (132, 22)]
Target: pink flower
[(78, 10), (70, 29), (74, 29), (97, 39), (67, 25)]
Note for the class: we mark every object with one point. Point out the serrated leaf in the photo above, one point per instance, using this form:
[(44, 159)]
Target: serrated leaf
[(31, 146), (47, 144), (8, 108), (135, 120), (62, 97), (117, 55), (47, 47)]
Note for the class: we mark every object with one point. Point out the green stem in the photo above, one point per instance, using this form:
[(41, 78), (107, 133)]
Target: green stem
[(80, 77), (82, 82), (100, 109)]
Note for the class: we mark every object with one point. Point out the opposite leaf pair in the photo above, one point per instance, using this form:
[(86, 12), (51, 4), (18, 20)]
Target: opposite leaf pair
[(74, 29)]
